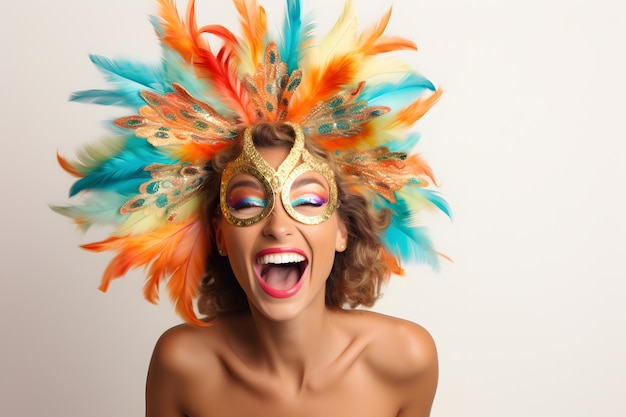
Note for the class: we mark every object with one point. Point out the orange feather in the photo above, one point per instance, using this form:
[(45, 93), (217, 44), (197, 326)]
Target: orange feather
[(415, 165), (342, 68), (372, 41), (253, 21), (67, 166), (392, 264), (175, 250), (322, 83), (176, 35), (197, 151), (411, 114)]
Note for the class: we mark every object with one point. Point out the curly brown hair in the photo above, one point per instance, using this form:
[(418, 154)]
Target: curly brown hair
[(357, 274)]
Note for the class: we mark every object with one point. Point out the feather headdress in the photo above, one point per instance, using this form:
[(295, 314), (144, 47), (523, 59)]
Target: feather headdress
[(342, 89)]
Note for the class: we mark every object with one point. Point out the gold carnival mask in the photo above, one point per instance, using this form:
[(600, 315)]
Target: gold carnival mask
[(249, 185)]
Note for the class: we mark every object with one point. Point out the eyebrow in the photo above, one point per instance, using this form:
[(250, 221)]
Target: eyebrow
[(245, 183), (310, 180)]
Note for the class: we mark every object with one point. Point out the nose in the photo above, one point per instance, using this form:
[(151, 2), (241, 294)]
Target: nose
[(278, 224)]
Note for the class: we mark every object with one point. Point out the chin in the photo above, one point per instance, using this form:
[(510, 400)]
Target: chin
[(290, 308)]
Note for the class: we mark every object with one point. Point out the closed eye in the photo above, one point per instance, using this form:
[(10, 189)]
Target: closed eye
[(309, 200), (248, 202)]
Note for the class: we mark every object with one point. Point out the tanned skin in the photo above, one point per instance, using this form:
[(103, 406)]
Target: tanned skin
[(293, 356), (343, 363)]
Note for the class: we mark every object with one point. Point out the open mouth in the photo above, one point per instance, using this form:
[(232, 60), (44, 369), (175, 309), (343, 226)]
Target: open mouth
[(280, 273)]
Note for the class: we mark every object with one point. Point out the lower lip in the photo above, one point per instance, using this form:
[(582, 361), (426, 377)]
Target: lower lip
[(275, 293)]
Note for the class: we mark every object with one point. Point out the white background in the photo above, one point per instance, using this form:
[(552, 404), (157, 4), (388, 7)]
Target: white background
[(527, 142)]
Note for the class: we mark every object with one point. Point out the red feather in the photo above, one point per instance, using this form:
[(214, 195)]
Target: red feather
[(220, 69)]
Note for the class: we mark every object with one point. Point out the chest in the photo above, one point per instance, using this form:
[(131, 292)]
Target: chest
[(355, 392)]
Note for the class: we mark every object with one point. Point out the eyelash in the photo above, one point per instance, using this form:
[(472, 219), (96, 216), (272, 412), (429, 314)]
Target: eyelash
[(309, 201), (245, 203)]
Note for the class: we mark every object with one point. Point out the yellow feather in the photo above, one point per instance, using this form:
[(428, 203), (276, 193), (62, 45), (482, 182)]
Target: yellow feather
[(385, 69), (253, 21)]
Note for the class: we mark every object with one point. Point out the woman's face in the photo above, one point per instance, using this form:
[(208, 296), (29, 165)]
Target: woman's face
[(281, 263)]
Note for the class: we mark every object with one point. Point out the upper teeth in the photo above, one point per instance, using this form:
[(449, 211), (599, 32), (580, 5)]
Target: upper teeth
[(280, 258)]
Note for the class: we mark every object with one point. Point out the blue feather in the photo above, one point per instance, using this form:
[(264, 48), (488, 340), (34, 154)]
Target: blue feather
[(125, 172)]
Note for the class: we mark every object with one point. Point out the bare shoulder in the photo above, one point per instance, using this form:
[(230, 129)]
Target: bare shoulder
[(182, 347), (403, 356), (182, 355), (398, 348)]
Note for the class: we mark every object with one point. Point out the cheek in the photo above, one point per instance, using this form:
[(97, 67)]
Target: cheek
[(324, 247), (237, 242), (234, 236)]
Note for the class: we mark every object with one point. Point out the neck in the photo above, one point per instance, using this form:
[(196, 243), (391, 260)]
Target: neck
[(305, 353), (296, 344), (294, 352)]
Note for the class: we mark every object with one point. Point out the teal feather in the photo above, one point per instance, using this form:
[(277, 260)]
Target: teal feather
[(176, 71), (397, 95), (108, 97), (156, 24), (437, 199), (296, 33), (130, 78), (406, 241), (405, 145), (410, 244), (138, 75), (124, 172), (101, 208)]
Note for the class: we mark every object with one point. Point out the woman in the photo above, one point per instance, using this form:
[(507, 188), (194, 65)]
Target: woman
[(291, 349), (260, 181)]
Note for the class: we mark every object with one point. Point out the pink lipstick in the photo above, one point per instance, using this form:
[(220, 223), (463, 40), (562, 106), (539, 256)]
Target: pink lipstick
[(279, 271)]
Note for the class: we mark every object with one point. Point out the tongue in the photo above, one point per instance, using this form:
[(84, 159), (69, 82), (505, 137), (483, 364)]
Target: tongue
[(281, 277)]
